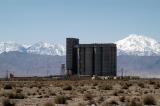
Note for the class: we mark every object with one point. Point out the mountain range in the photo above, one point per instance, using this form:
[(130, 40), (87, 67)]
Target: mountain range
[(41, 48), (136, 45), (137, 55), (26, 64)]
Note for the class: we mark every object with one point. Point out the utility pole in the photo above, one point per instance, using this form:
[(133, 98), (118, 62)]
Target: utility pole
[(4, 47), (62, 69), (78, 61), (47, 73), (122, 72), (7, 74)]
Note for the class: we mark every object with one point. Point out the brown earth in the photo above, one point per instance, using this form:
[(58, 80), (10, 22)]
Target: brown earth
[(81, 92)]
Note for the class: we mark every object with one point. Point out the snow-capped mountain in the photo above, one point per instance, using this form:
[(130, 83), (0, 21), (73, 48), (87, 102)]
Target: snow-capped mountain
[(11, 46), (41, 48), (138, 45), (44, 48)]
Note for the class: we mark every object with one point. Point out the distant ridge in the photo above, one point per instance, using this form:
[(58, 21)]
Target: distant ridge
[(42, 48), (137, 55), (25, 64), (138, 45), (134, 45)]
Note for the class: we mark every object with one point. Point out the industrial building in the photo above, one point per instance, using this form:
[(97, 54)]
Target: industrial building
[(91, 59)]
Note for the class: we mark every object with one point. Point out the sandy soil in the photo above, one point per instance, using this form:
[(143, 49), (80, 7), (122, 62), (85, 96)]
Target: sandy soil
[(81, 92)]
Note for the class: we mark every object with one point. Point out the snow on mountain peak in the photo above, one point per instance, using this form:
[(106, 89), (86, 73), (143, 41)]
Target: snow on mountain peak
[(132, 45), (138, 45), (10, 46), (44, 48)]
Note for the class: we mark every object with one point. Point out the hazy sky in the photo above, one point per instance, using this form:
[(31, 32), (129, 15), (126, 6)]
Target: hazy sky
[(30, 21)]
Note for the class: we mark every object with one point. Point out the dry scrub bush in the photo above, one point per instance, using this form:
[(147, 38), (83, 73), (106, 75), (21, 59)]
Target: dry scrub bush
[(126, 85), (81, 104), (7, 102), (52, 94), (122, 99), (110, 103), (93, 87), (149, 100), (106, 87), (67, 87), (88, 96), (19, 90), (49, 104), (60, 100), (134, 102), (95, 84), (100, 99), (157, 86), (140, 84), (12, 95), (120, 91), (8, 86), (91, 103), (152, 82), (115, 93)]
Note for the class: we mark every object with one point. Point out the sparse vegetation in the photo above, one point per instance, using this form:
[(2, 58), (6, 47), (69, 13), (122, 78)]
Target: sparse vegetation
[(81, 92), (152, 82), (106, 87), (115, 93), (113, 102), (19, 90), (60, 99), (110, 103), (140, 84), (16, 96), (122, 99), (49, 104), (157, 86), (149, 100), (7, 102), (8, 86), (95, 84), (135, 102), (67, 87), (88, 96), (126, 85), (100, 99)]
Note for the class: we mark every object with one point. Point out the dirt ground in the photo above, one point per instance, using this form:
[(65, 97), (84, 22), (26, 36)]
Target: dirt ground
[(80, 93)]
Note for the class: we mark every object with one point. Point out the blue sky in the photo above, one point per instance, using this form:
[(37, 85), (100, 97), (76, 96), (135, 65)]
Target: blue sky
[(30, 21)]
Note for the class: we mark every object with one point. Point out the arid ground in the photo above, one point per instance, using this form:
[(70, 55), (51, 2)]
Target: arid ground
[(138, 92)]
